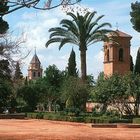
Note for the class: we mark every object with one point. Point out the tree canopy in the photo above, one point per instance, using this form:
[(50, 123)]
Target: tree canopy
[(135, 15)]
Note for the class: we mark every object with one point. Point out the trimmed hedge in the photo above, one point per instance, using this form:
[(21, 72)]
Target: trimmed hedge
[(136, 120), (87, 119)]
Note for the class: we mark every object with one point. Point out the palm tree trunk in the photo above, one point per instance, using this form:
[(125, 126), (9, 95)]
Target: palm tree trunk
[(83, 65)]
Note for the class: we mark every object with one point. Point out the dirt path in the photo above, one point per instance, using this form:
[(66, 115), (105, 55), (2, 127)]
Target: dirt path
[(56, 130)]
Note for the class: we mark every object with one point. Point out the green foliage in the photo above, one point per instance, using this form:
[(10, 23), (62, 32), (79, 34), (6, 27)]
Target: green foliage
[(131, 64), (29, 94), (74, 93), (135, 18), (3, 7), (136, 120), (72, 70), (118, 91), (110, 91), (133, 89), (3, 26), (81, 118), (137, 65), (5, 72), (53, 80), (5, 93), (18, 74), (53, 77)]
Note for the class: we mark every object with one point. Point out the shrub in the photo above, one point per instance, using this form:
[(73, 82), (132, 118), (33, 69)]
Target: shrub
[(120, 121), (136, 120), (39, 115), (31, 115)]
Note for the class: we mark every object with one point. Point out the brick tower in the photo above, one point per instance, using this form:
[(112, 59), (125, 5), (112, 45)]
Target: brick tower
[(34, 69), (117, 55)]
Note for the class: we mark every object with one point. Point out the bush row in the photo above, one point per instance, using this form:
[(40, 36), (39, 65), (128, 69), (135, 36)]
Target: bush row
[(86, 119), (136, 120)]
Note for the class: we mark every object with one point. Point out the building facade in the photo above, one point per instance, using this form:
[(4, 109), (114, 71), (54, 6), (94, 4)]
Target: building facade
[(117, 54)]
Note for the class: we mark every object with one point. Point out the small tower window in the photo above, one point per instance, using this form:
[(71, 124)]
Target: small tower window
[(34, 74), (107, 55), (38, 74), (121, 54)]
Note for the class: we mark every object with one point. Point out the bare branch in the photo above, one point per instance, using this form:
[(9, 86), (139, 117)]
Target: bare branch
[(11, 48), (36, 4)]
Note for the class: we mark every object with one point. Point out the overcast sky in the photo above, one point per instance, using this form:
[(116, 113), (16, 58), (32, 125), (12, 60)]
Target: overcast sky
[(35, 25)]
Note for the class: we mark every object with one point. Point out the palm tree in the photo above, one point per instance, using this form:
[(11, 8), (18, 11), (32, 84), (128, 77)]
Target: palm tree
[(80, 31)]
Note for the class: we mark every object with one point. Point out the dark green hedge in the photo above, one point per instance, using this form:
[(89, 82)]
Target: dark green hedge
[(66, 117)]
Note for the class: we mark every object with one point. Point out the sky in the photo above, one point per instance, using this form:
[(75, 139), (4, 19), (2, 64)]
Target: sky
[(34, 26)]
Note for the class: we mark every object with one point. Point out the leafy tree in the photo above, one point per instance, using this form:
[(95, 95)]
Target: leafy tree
[(72, 70), (74, 93), (3, 9), (133, 84), (53, 80), (5, 72), (5, 94), (30, 95), (3, 26), (131, 64), (137, 65), (82, 31), (110, 91), (135, 18)]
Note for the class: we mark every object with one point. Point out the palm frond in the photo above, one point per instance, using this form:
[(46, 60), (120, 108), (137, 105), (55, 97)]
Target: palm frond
[(53, 40), (69, 25), (99, 27), (100, 17), (89, 19), (67, 40), (56, 29)]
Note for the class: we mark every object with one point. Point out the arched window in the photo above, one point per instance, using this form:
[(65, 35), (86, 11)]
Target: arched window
[(38, 74), (121, 54), (107, 55)]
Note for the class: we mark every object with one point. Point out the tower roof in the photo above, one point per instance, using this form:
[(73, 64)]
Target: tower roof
[(120, 34), (35, 59)]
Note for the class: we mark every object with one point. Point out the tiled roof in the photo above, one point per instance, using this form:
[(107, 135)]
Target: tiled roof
[(120, 33)]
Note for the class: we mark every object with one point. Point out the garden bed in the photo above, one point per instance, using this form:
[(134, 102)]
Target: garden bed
[(13, 116)]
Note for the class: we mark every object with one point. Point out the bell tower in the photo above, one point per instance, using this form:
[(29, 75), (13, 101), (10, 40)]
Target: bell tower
[(117, 54), (34, 69)]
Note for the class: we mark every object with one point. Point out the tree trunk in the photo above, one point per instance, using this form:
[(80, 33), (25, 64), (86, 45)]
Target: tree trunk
[(49, 105), (83, 65)]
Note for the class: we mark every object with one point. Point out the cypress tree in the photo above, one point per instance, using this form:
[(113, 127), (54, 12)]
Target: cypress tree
[(131, 64), (18, 74), (137, 65), (72, 70)]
